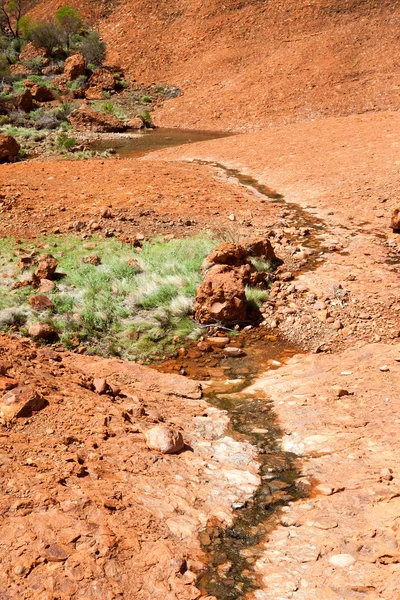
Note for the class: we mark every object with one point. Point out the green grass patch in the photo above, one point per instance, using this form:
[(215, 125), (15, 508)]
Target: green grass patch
[(256, 297), (131, 305)]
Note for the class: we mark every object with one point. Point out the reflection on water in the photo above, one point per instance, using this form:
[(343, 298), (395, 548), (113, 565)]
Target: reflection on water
[(149, 140)]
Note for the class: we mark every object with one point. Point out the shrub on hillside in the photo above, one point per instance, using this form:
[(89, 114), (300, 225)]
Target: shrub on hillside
[(46, 35), (93, 48)]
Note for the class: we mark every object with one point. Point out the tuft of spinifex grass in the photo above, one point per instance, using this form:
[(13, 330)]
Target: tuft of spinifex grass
[(131, 305)]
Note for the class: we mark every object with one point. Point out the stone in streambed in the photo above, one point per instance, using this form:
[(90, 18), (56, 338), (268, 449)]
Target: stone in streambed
[(164, 439)]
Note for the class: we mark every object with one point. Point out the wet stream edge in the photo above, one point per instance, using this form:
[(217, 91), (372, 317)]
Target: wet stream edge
[(232, 551)]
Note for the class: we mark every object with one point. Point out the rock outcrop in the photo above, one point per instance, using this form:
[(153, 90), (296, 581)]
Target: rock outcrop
[(221, 297), (42, 93), (102, 78), (75, 66), (228, 270), (25, 101), (87, 119), (9, 147)]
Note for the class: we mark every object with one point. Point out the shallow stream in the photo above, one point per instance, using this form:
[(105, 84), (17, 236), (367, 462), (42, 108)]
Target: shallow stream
[(233, 551)]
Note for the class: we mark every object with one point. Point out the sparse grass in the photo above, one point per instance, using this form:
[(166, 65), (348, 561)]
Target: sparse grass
[(256, 297), (24, 132), (262, 266), (115, 308)]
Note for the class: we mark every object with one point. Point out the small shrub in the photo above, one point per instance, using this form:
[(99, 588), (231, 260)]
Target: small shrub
[(78, 83), (107, 108), (4, 65), (46, 35), (64, 110), (93, 49), (47, 121), (65, 143), (70, 22), (145, 99), (18, 118), (146, 119), (35, 65)]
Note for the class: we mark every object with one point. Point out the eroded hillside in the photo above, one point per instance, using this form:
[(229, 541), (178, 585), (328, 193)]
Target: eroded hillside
[(245, 65)]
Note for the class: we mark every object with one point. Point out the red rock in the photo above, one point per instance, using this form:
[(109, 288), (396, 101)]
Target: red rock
[(46, 286), (31, 51), (259, 248), (102, 79), (47, 267), (135, 123), (25, 101), (9, 147), (21, 402), (94, 93), (41, 303), (100, 385), (395, 221), (226, 254), (75, 66), (41, 330), (57, 553), (6, 383), (218, 342), (164, 439), (87, 119), (42, 93), (204, 347), (52, 70), (221, 297)]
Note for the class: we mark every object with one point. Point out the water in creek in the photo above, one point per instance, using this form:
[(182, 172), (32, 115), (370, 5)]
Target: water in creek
[(149, 140), (232, 551)]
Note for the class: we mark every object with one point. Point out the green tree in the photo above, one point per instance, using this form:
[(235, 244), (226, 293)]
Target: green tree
[(70, 21), (11, 12)]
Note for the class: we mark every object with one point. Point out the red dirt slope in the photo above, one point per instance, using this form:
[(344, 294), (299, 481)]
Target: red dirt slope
[(248, 64)]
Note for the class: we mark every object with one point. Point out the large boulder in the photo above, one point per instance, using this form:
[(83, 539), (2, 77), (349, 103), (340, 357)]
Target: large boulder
[(221, 297), (87, 119), (103, 79), (395, 222), (75, 66), (40, 93), (25, 101), (9, 147)]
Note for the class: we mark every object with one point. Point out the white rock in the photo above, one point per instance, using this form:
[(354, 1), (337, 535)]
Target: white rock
[(164, 439), (342, 560)]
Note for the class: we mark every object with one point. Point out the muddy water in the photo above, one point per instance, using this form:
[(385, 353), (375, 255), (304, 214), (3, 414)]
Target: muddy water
[(232, 551), (150, 140)]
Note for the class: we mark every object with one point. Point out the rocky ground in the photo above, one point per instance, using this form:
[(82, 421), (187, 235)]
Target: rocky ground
[(88, 509)]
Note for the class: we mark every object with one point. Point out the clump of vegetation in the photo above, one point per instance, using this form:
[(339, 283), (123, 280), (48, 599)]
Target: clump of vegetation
[(131, 305), (65, 143)]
